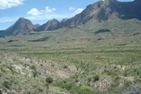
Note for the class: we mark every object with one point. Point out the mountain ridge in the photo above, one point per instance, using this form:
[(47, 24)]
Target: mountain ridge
[(106, 10)]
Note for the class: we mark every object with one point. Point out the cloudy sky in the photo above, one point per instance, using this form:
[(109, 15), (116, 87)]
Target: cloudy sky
[(40, 11)]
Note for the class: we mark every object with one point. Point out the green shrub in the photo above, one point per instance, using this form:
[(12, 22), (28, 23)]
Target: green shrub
[(33, 67), (49, 80), (86, 90), (35, 73), (96, 78), (65, 67), (66, 84), (7, 84)]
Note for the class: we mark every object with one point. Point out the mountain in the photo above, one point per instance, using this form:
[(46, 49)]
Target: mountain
[(50, 25), (22, 25), (101, 11), (106, 10)]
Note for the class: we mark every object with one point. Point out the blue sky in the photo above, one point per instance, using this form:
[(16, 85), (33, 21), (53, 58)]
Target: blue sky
[(40, 11)]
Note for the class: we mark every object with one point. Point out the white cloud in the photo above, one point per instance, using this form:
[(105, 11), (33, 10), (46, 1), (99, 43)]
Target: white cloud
[(71, 8), (75, 10), (47, 9), (48, 13), (53, 9), (4, 4), (34, 12), (79, 10)]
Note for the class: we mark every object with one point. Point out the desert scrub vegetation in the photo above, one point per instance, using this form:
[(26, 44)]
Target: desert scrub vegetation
[(69, 69), (23, 75), (73, 89)]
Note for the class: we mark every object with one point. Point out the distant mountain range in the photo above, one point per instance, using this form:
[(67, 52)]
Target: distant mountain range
[(101, 11)]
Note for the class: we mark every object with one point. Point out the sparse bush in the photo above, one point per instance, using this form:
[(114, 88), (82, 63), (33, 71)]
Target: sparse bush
[(65, 84), (65, 67), (7, 84), (35, 73), (49, 80), (96, 78), (33, 67), (86, 90), (89, 79)]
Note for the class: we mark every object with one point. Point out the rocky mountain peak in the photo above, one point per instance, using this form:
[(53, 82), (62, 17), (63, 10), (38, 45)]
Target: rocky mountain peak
[(100, 10), (22, 24), (53, 21), (50, 25)]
